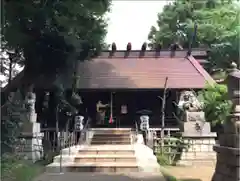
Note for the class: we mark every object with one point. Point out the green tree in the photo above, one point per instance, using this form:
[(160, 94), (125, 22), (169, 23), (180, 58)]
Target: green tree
[(53, 34), (217, 28), (217, 105)]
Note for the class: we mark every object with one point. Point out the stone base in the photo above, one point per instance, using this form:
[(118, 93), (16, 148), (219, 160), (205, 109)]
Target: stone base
[(31, 142), (147, 161), (199, 151)]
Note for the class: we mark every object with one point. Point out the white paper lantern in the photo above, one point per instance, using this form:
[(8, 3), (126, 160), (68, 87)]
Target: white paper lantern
[(144, 125), (79, 122)]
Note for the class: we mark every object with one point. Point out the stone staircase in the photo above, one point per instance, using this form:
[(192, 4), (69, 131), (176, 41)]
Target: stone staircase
[(110, 150), (112, 137)]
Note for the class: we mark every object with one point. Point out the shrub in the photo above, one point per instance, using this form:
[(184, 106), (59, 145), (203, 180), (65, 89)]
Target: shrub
[(168, 177), (171, 151), (163, 159), (14, 168), (217, 106)]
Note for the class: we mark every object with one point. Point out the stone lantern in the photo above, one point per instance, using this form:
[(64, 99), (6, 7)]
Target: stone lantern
[(233, 82), (228, 150)]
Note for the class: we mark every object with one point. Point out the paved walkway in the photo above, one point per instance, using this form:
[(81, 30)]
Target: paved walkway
[(73, 176), (194, 173)]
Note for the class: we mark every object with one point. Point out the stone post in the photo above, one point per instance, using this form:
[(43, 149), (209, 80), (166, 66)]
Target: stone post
[(31, 134), (228, 149)]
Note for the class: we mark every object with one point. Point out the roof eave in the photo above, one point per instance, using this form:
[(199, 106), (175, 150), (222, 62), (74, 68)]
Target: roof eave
[(209, 80)]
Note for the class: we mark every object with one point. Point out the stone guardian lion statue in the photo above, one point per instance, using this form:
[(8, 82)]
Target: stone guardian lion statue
[(188, 102)]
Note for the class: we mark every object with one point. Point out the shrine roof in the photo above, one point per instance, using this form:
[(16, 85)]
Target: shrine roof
[(135, 70)]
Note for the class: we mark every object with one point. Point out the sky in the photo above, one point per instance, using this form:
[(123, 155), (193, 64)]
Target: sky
[(130, 21)]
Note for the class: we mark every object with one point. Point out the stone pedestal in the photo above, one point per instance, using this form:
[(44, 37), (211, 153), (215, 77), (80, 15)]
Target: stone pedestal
[(199, 150), (199, 141), (31, 140), (31, 137)]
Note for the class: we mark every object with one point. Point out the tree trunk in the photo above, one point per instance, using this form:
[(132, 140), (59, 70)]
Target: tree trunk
[(163, 114), (29, 73), (10, 70)]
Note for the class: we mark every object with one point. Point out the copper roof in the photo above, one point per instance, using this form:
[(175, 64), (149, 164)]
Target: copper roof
[(133, 72)]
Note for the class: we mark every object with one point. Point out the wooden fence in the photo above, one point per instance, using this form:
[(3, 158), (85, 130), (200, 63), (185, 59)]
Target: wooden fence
[(169, 145)]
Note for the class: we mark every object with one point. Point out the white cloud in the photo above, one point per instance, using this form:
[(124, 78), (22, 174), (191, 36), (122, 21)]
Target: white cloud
[(130, 21)]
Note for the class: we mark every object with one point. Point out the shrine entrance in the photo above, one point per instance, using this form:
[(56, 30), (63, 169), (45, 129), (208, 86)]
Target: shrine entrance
[(123, 108)]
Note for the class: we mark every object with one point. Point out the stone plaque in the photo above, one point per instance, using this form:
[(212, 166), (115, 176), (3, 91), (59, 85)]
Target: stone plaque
[(196, 129), (194, 116)]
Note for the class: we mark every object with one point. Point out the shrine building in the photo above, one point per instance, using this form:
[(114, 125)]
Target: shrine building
[(133, 80)]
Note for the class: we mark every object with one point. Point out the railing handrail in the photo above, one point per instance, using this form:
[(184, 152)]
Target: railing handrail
[(136, 127)]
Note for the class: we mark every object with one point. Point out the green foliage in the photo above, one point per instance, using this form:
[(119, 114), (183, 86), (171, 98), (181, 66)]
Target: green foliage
[(167, 176), (217, 28), (14, 168), (163, 159), (173, 147), (13, 114), (52, 34), (217, 105), (171, 178)]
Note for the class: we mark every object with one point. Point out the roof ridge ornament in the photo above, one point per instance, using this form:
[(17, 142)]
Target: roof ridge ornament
[(143, 49), (173, 47), (194, 35), (113, 49), (158, 48), (129, 48)]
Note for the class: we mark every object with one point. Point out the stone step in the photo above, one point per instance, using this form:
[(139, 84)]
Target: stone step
[(111, 130), (110, 135), (102, 139), (106, 152), (94, 167), (109, 147), (110, 142), (105, 158)]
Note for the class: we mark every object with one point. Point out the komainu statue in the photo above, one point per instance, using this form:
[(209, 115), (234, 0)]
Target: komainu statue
[(189, 102), (191, 109)]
